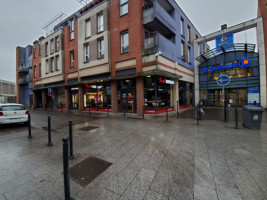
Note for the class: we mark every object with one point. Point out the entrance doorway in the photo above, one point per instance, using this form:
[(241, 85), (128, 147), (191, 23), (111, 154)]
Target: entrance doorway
[(127, 101), (74, 100)]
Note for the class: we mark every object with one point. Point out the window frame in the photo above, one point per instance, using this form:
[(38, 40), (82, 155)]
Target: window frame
[(182, 50), (86, 53), (47, 68), (72, 59), (182, 26), (100, 18), (88, 21), (57, 63), (52, 64), (57, 43), (52, 46), (101, 50), (124, 3), (122, 42)]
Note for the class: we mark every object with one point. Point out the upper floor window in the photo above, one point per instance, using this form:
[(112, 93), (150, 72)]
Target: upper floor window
[(101, 48), (46, 49), (87, 28), (47, 66), (57, 43), (72, 29), (34, 49), (125, 42), (57, 63), (40, 70), (182, 50), (100, 22), (52, 64), (86, 53), (34, 68), (182, 26), (189, 34), (72, 59), (189, 54), (52, 46), (124, 7)]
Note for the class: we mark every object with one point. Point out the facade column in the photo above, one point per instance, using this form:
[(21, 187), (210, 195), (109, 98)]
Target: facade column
[(175, 93), (44, 99), (34, 99), (67, 99), (262, 65), (114, 96), (140, 96), (196, 73), (81, 98)]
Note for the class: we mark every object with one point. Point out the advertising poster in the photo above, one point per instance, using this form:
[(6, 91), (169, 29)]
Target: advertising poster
[(254, 96)]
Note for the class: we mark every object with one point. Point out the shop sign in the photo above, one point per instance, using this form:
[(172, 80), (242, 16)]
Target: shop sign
[(166, 81), (93, 86), (223, 80), (243, 63), (253, 96), (226, 41), (74, 88)]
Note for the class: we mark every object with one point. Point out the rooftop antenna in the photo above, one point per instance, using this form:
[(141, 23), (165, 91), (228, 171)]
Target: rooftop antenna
[(49, 26)]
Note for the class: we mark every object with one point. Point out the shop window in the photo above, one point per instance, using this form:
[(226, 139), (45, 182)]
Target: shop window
[(185, 93), (97, 95), (61, 97), (123, 7)]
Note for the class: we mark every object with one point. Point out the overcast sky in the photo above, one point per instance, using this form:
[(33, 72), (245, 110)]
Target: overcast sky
[(21, 22)]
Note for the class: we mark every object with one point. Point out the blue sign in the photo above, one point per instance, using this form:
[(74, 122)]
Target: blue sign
[(227, 41), (243, 63), (254, 96), (223, 80)]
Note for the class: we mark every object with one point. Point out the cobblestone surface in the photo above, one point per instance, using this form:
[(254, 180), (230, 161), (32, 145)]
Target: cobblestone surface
[(152, 159)]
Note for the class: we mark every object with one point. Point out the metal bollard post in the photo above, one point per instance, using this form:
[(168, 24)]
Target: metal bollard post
[(167, 117), (89, 110), (29, 126), (224, 111), (236, 118), (143, 112), (66, 169), (71, 144), (197, 114), (49, 132), (177, 110)]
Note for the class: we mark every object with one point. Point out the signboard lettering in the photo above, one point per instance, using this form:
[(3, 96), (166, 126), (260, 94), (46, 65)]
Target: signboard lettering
[(166, 81)]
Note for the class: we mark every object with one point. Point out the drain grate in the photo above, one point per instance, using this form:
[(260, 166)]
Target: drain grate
[(88, 128), (86, 171)]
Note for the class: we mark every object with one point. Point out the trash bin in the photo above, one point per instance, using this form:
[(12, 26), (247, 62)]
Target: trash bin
[(252, 117)]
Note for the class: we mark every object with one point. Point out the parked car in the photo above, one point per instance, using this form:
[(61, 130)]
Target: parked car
[(13, 113)]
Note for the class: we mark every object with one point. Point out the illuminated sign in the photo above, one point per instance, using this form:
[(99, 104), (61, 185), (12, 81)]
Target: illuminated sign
[(166, 81), (243, 63)]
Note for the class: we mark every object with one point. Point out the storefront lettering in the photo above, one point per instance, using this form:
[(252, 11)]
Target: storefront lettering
[(243, 63), (166, 81)]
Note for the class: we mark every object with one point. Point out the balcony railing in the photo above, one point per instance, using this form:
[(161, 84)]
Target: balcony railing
[(150, 43), (23, 69), (29, 78), (22, 80)]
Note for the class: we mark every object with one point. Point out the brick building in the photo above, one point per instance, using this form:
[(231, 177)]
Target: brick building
[(119, 55)]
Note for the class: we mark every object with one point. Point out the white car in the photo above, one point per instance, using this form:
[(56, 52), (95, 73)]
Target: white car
[(13, 113)]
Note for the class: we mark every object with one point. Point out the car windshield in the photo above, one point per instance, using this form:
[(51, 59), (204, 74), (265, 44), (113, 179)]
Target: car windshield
[(12, 108)]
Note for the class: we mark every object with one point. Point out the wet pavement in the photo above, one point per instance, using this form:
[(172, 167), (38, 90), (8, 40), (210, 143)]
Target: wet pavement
[(152, 159)]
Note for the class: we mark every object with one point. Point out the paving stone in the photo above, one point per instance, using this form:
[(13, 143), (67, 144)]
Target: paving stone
[(151, 195), (204, 193)]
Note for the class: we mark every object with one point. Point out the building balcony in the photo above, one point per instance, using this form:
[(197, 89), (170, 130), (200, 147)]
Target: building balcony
[(22, 80), (156, 18), (23, 69), (155, 42), (29, 78)]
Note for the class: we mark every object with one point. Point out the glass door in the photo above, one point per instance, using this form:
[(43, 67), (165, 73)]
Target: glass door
[(75, 101), (127, 100)]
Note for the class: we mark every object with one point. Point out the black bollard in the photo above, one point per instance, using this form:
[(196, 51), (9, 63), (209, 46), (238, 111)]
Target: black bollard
[(177, 110), (89, 110), (71, 144), (197, 114), (225, 118), (167, 117), (236, 118), (143, 112), (49, 132), (66, 169), (29, 126)]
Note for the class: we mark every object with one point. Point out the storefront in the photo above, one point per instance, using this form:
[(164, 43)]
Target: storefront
[(127, 95), (60, 98), (97, 96), (74, 98), (242, 68), (185, 94), (158, 94)]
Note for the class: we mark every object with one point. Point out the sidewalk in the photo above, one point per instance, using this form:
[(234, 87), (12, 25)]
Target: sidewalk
[(152, 159)]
